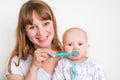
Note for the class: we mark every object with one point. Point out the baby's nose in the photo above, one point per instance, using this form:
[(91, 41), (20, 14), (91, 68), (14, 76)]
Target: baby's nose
[(76, 47)]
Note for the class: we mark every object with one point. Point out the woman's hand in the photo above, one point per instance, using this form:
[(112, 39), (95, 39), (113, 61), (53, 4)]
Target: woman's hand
[(40, 55)]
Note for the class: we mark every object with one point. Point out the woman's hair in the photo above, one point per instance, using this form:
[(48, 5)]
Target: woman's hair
[(23, 45)]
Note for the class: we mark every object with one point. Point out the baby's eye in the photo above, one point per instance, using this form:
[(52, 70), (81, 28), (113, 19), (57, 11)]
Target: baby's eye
[(69, 44), (80, 44)]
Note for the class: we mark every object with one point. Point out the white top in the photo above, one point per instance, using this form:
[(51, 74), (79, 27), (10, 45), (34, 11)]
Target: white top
[(86, 70), (23, 67)]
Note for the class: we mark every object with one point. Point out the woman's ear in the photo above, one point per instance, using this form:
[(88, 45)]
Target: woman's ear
[(25, 33)]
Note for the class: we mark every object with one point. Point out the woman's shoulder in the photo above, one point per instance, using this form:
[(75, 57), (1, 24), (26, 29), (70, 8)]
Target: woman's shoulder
[(16, 63), (16, 59), (22, 67)]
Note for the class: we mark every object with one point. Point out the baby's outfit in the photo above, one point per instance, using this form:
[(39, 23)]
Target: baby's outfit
[(86, 70)]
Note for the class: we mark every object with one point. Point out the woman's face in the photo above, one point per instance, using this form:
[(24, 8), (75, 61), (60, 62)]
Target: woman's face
[(41, 33)]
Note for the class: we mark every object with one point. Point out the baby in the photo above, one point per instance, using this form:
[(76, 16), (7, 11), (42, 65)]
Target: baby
[(77, 67)]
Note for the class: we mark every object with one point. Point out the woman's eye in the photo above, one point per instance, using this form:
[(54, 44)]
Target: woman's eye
[(32, 27), (46, 23), (80, 44)]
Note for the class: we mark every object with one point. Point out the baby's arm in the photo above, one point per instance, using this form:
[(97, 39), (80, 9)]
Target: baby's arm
[(99, 74)]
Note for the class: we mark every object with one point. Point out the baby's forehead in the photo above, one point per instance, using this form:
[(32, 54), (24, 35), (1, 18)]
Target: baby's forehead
[(72, 31)]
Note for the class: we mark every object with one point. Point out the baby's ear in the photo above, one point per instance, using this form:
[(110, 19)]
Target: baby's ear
[(88, 45), (62, 48)]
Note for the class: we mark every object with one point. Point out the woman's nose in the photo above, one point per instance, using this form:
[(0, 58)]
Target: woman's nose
[(40, 31)]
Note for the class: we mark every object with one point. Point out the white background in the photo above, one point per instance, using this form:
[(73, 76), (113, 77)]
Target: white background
[(99, 18)]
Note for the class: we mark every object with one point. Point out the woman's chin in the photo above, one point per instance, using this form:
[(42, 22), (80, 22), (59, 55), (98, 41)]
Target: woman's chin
[(45, 46)]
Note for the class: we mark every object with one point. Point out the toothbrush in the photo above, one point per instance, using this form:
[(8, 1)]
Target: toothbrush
[(65, 54)]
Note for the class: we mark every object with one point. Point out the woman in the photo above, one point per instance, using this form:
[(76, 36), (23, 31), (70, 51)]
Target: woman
[(36, 37)]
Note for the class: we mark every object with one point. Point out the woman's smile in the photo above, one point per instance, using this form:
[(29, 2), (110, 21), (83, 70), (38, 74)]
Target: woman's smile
[(42, 39)]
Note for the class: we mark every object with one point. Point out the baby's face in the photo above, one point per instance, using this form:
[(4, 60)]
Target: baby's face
[(75, 40)]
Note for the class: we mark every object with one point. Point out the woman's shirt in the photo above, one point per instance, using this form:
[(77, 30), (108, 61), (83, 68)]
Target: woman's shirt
[(23, 68), (86, 70)]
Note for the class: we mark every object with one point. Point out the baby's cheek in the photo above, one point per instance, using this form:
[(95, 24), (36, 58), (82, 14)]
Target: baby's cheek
[(68, 50)]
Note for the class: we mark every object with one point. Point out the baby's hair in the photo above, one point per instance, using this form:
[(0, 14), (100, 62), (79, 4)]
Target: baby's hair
[(76, 28)]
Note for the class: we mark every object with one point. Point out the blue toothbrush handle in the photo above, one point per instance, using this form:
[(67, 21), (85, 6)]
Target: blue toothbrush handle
[(65, 54), (61, 54)]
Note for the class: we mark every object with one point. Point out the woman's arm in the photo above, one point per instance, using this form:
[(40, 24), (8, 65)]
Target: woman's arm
[(14, 77), (32, 73), (58, 74)]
